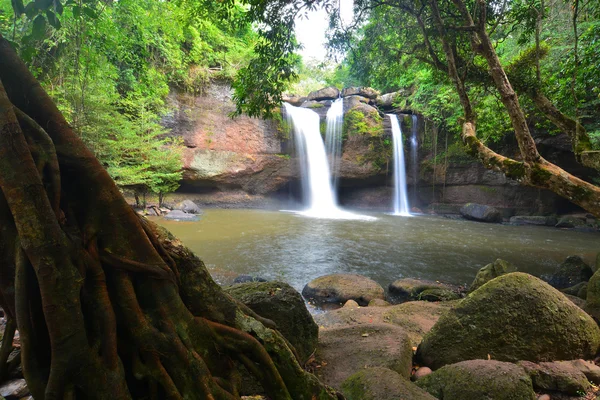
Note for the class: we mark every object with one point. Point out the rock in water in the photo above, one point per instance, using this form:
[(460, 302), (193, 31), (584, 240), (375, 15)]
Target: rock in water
[(178, 215), (282, 304), (571, 272), (513, 317), (479, 379), (381, 384), (339, 288), (188, 206), (491, 271), (409, 289), (480, 212)]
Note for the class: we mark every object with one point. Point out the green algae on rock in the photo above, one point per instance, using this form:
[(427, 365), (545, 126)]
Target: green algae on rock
[(380, 383), (513, 317)]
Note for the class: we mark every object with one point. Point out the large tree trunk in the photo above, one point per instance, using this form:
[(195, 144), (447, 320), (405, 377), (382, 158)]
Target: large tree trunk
[(109, 306)]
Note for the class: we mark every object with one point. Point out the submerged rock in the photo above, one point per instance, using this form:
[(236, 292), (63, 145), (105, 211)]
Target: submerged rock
[(491, 271), (571, 272), (328, 93), (537, 220), (282, 304), (555, 376), (409, 289), (513, 317), (381, 384), (347, 350), (178, 215), (480, 212), (479, 379), (339, 288)]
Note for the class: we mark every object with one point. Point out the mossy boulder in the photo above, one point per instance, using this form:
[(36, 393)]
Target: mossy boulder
[(491, 271), (592, 300), (571, 272), (579, 290), (381, 384), (409, 289), (282, 304), (481, 213), (328, 93), (513, 317), (479, 380), (339, 288), (556, 377)]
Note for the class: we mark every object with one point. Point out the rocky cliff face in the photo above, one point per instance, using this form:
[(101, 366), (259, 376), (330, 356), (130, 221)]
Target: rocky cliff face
[(244, 161)]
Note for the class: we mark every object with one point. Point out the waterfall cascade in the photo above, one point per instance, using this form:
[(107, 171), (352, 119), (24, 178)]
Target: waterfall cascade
[(401, 206), (414, 148), (333, 138), (318, 193)]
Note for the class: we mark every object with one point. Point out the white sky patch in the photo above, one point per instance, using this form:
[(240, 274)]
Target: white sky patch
[(311, 31)]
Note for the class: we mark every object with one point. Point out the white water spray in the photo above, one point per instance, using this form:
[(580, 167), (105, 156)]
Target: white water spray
[(333, 138), (401, 206), (314, 168)]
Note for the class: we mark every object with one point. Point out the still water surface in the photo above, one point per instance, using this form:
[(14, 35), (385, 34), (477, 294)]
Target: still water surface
[(297, 249)]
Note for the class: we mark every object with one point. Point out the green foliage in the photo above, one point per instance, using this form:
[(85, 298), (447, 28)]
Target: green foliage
[(357, 123)]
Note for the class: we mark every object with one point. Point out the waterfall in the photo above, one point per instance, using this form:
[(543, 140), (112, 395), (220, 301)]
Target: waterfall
[(318, 194), (333, 138), (414, 148), (400, 199)]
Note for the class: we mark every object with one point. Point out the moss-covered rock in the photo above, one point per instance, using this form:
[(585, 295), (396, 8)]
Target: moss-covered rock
[(381, 384), (557, 377), (592, 300), (579, 290), (339, 288), (491, 271), (513, 317), (409, 289), (479, 380), (571, 272), (282, 304)]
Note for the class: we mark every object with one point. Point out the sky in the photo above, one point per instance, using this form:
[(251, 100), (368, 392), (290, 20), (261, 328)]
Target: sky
[(311, 31)]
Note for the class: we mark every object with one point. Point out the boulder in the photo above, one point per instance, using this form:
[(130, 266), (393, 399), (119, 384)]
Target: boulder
[(537, 220), (479, 379), (188, 206), (570, 273), (339, 288), (409, 289), (367, 92), (588, 368), (381, 384), (283, 305), (15, 388), (480, 212), (328, 93), (491, 271), (596, 265), (178, 215), (346, 350), (558, 377), (386, 100), (378, 303), (579, 290), (353, 102), (571, 221), (293, 99), (513, 317), (422, 372)]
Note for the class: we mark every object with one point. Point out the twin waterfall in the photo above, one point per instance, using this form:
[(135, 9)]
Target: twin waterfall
[(320, 162)]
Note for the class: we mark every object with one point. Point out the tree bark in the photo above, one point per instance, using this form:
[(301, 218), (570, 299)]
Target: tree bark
[(108, 305)]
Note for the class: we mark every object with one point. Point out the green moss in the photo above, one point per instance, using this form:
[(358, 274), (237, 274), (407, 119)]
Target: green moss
[(316, 105), (358, 123), (513, 169), (538, 175), (284, 129), (379, 383)]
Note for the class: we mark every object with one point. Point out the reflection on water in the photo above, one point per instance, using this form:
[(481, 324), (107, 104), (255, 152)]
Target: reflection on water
[(281, 245)]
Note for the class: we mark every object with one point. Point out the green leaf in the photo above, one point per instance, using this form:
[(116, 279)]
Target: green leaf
[(43, 4), (18, 6), (53, 20), (39, 27), (90, 12), (58, 7), (31, 10), (76, 11)]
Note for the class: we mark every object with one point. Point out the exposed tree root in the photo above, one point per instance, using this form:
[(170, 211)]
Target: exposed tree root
[(108, 305)]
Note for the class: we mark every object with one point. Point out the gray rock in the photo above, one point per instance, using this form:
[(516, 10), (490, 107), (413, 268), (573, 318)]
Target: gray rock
[(570, 273), (328, 93), (248, 278), (571, 221), (559, 377), (367, 92), (386, 100), (508, 319), (537, 220), (188, 206), (15, 388), (178, 215), (479, 379), (491, 271), (293, 99), (380, 383), (339, 288), (588, 368), (480, 212), (282, 304), (409, 289)]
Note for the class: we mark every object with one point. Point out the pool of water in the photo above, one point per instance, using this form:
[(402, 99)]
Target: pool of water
[(297, 249)]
